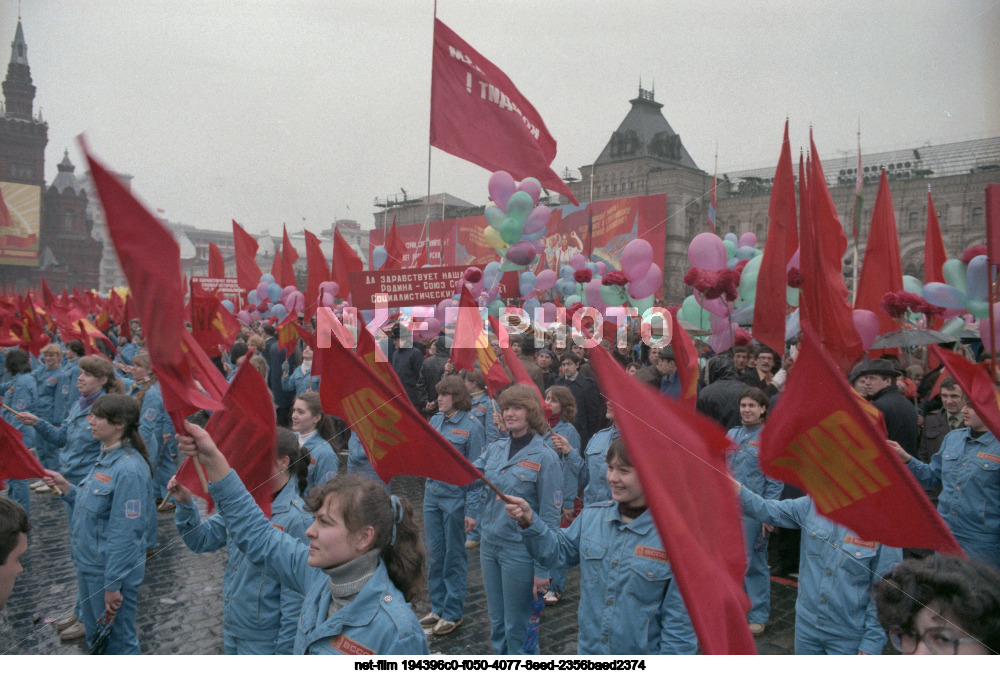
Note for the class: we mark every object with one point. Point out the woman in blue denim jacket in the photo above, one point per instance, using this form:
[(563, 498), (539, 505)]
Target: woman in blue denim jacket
[(313, 430), (629, 602), (362, 566), (260, 615)]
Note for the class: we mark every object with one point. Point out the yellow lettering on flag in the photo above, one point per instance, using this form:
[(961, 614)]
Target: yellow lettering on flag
[(836, 462), (374, 419), (484, 353)]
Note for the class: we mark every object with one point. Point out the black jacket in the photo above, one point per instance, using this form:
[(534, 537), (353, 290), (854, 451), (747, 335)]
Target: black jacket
[(900, 417), (720, 400), (589, 406), (407, 363)]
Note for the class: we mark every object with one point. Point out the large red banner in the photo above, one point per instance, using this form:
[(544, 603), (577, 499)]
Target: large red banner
[(616, 222)]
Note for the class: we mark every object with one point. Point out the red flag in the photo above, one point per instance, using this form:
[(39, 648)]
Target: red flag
[(216, 265), (679, 456), (511, 360), (471, 345), (397, 439), (934, 253), (245, 248), (288, 257), (882, 270), (395, 249), (85, 332), (824, 292), (345, 261), (16, 462), (308, 337), (686, 358), (318, 272), (976, 383), (139, 237), (836, 454), (770, 307), (276, 268), (128, 313), (244, 432), (287, 335), (478, 114), (420, 258), (48, 299), (211, 323)]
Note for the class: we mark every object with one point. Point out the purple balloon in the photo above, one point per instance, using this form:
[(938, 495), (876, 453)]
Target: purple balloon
[(537, 219), (648, 284), (521, 253), (976, 279), (546, 279), (578, 261), (636, 259), (793, 263), (549, 311), (262, 288), (866, 323), (943, 295), (707, 252), (501, 187), (532, 187)]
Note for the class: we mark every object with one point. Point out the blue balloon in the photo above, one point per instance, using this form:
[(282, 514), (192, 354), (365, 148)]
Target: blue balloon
[(566, 272), (267, 278), (530, 306), (746, 252), (279, 311), (592, 266), (491, 274), (252, 297), (379, 256), (732, 237), (526, 282), (230, 307), (274, 292)]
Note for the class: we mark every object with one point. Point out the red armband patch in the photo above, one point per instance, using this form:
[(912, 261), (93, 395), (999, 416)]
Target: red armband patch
[(651, 553), (350, 646), (530, 465), (988, 457), (101, 477), (860, 542), (459, 431)]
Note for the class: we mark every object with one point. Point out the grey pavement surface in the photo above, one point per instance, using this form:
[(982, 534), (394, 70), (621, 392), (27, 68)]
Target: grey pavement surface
[(180, 600)]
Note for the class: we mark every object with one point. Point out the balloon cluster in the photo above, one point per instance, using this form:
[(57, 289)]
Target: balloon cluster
[(592, 284), (270, 300), (516, 223), (966, 289)]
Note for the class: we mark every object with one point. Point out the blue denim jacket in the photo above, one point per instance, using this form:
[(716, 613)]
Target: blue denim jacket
[(300, 382), (628, 602), (836, 569), (533, 474), (594, 476), (51, 402), (571, 463), (378, 622), (744, 463), (465, 431), (967, 470), (79, 451), (323, 461), (107, 532), (254, 604), (19, 394)]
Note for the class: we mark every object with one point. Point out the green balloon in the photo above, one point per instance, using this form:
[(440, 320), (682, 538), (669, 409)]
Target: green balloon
[(748, 280), (507, 265), (642, 304), (730, 248), (978, 308), (511, 230), (792, 296), (912, 285), (570, 300), (692, 312), (954, 274), (613, 296)]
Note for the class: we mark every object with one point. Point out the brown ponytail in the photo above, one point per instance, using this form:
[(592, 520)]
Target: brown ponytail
[(325, 427), (121, 409)]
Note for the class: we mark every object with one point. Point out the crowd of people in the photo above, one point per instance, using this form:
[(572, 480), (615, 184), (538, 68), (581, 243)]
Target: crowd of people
[(340, 559)]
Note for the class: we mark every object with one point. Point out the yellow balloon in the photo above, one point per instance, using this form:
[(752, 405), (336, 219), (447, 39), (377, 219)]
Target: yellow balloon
[(492, 237)]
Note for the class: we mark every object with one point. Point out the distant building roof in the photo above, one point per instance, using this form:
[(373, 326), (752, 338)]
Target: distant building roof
[(937, 161), (645, 133)]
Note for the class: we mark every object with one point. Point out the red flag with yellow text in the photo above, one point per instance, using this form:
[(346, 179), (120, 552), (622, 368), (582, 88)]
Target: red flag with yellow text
[(211, 323), (835, 453), (976, 383), (471, 345), (679, 456), (513, 363), (397, 439), (244, 432)]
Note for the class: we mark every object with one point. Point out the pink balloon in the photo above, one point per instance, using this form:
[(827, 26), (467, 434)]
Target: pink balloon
[(328, 300), (866, 323), (532, 187), (521, 253), (716, 307), (748, 239), (546, 279), (578, 261), (593, 294), (602, 269), (440, 311), (331, 287), (501, 188), (433, 327), (549, 311), (707, 251), (648, 284), (296, 301), (991, 333), (636, 259), (244, 316), (537, 219), (262, 289)]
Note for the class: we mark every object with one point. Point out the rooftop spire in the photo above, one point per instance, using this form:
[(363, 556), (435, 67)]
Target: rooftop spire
[(19, 48)]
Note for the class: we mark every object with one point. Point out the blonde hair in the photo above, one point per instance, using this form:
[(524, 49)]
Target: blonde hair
[(521, 395)]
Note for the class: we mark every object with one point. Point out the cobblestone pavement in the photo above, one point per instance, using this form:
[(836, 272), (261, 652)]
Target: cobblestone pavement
[(180, 600)]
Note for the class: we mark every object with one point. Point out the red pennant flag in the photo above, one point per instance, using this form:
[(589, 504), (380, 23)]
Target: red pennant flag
[(770, 307), (85, 332), (824, 293), (16, 462), (686, 358), (420, 259), (369, 352), (511, 360), (308, 337), (395, 249), (680, 459), (276, 267), (976, 383), (478, 114), (471, 345), (288, 257), (287, 335), (318, 271), (245, 248), (837, 454), (216, 264), (211, 323), (882, 270), (128, 313), (345, 261), (934, 253), (48, 299), (244, 432), (397, 439), (180, 383)]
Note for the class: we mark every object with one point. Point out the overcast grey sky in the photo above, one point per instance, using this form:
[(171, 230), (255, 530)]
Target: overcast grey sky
[(304, 111)]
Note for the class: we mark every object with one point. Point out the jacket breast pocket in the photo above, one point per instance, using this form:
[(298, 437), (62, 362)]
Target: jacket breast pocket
[(591, 561), (97, 497), (986, 471), (859, 562), (646, 582)]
